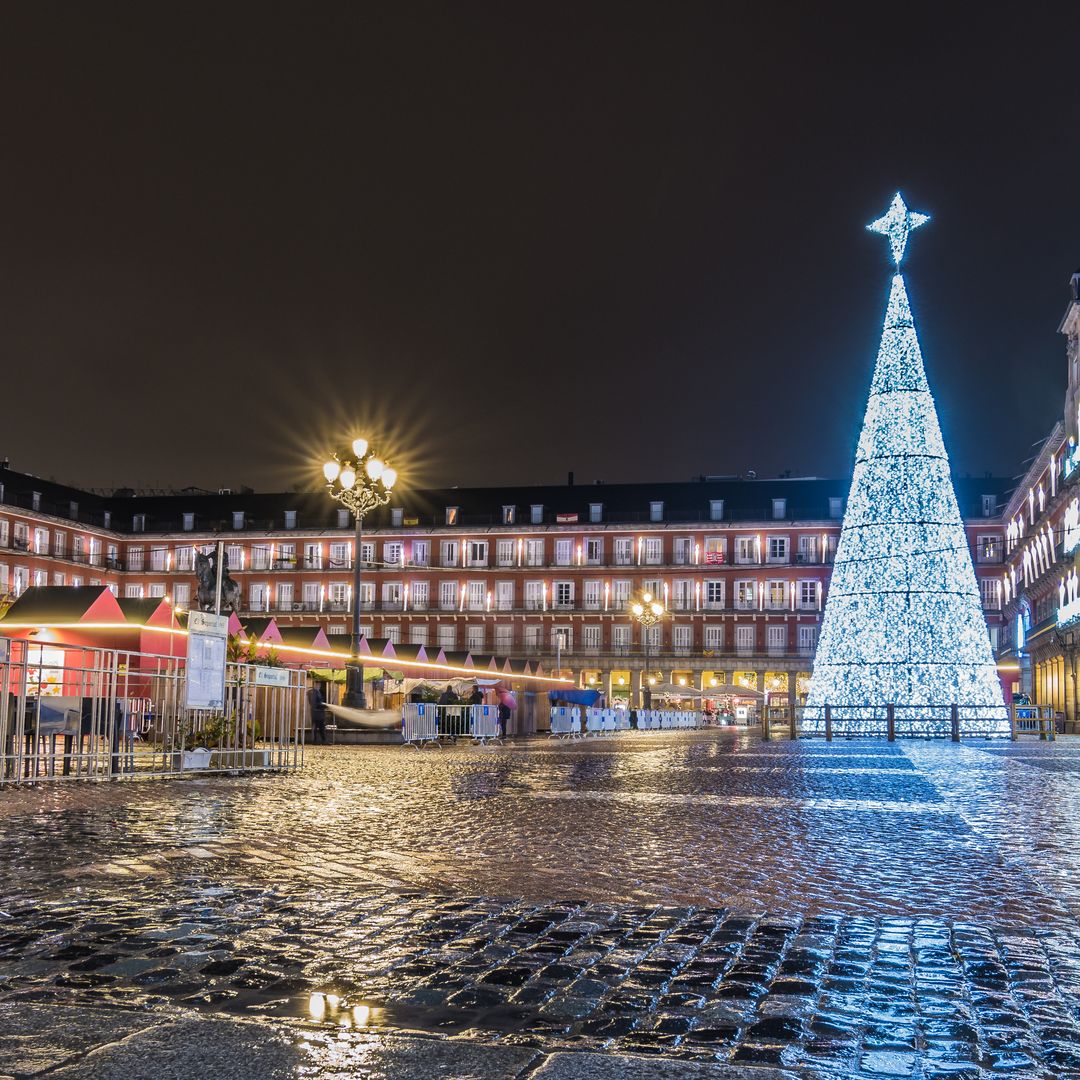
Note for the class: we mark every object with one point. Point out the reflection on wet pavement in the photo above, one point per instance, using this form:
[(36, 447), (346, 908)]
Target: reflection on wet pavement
[(849, 909)]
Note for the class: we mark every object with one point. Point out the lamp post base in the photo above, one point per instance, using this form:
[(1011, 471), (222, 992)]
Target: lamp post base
[(354, 687)]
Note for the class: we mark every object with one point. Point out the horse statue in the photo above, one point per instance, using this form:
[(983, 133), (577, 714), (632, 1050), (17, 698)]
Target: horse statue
[(206, 572)]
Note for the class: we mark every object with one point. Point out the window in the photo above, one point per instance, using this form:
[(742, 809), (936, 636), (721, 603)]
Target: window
[(311, 595), (313, 556), (620, 593), (41, 541), (504, 595), (343, 519), (656, 511), (594, 551), (509, 515), (286, 557), (157, 558), (682, 595), (564, 552), (504, 553), (393, 553), (35, 500), (991, 593), (420, 552), (58, 579), (133, 592), (624, 551), (562, 639), (563, 594), (397, 516), (745, 594), (134, 557), (95, 551), (448, 553), (367, 553), (714, 594), (181, 594), (591, 595), (290, 519), (777, 594), (238, 519), (808, 594), (744, 640), (807, 549), (779, 509), (448, 595), (715, 550), (716, 509), (59, 543), (777, 548), (336, 630), (392, 633), (260, 556), (418, 634), (339, 555), (474, 638), (22, 535), (989, 549), (683, 550), (475, 595), (596, 512), (184, 558), (807, 639), (590, 638), (654, 551), (477, 552), (534, 552), (157, 590), (446, 636), (714, 638), (367, 596), (776, 640), (188, 521), (138, 523), (654, 636), (534, 595), (682, 639), (532, 638), (451, 515), (391, 595), (836, 507), (536, 514), (4, 532), (989, 505), (620, 639), (106, 517), (234, 557), (337, 593), (504, 640), (746, 549), (419, 592), (259, 596), (113, 556)]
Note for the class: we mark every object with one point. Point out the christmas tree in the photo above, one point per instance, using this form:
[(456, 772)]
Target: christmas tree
[(903, 621)]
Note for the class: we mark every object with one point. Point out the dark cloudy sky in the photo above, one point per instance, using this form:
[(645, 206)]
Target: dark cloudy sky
[(513, 240)]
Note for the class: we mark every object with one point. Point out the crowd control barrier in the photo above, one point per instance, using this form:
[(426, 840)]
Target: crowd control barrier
[(425, 723), (565, 722)]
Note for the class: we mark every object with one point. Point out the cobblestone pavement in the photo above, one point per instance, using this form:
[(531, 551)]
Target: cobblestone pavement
[(836, 910)]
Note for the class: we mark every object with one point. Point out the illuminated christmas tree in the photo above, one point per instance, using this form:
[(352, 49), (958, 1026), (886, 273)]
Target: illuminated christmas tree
[(903, 621)]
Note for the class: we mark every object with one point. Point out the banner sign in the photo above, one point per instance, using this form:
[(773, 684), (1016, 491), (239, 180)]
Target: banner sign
[(271, 676), (566, 519)]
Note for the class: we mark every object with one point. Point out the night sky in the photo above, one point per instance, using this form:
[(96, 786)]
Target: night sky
[(514, 240)]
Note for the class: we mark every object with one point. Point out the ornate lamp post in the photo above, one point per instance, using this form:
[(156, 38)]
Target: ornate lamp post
[(646, 612), (361, 483)]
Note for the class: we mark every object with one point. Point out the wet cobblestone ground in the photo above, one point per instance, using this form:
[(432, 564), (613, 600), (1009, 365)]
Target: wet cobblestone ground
[(855, 909)]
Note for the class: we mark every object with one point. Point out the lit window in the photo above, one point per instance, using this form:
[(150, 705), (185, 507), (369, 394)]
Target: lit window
[(509, 515), (451, 515), (397, 515), (189, 522), (596, 512)]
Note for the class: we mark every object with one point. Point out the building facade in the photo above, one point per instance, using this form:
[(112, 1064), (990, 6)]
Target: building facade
[(1041, 629), (741, 567)]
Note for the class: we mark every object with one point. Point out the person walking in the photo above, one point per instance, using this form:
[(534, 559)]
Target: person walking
[(504, 717), (317, 704), (477, 696)]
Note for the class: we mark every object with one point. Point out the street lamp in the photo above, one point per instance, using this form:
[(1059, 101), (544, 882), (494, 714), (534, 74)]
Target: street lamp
[(361, 483), (646, 612)]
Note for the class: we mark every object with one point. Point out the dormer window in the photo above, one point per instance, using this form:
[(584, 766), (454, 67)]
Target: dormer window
[(397, 515), (108, 519), (73, 510), (989, 505), (836, 507), (138, 523), (238, 519), (35, 500), (716, 509), (656, 511), (596, 512), (290, 519), (188, 521), (779, 509), (343, 519), (451, 515), (536, 514), (509, 515)]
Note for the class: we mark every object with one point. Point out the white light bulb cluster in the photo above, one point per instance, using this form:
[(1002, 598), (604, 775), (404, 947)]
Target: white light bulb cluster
[(903, 621)]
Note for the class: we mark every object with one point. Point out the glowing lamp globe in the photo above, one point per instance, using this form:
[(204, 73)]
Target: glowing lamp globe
[(638, 610), (330, 471), (658, 609), (348, 478), (647, 597), (374, 468), (359, 447), (389, 477)]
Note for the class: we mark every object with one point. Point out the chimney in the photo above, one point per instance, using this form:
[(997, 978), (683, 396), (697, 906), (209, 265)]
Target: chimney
[(570, 478)]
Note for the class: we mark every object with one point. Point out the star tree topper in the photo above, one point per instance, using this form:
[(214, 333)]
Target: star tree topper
[(896, 224)]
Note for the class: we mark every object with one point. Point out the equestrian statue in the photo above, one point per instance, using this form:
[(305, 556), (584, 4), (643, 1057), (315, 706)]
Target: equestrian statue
[(206, 572)]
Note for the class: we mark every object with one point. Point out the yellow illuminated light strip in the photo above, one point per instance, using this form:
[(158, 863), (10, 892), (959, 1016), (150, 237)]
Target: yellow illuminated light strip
[(373, 661)]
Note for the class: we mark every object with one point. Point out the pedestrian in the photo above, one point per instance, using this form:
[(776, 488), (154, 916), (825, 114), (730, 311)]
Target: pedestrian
[(317, 704), (447, 697), (504, 717), (477, 696)]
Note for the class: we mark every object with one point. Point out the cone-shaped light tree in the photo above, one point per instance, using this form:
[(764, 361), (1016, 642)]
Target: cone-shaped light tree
[(903, 621)]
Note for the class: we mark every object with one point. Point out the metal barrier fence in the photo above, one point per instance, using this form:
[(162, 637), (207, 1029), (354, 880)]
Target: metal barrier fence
[(1032, 720), (82, 713), (565, 722), (667, 719), (606, 721), (906, 721), (423, 722)]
